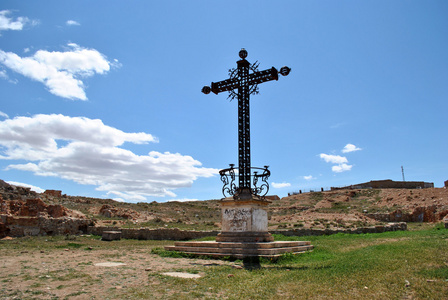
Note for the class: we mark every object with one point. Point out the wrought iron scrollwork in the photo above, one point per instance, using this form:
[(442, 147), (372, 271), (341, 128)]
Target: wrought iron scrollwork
[(236, 77), (228, 179), (260, 181), (263, 189)]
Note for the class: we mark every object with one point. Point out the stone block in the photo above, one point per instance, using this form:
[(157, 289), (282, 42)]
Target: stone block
[(111, 236), (244, 216), (247, 237)]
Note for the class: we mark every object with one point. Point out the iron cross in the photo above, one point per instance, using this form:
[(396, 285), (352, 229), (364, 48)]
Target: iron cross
[(245, 79)]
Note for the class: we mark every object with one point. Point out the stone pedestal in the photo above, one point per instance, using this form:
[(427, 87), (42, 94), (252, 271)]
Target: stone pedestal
[(244, 221), (244, 234)]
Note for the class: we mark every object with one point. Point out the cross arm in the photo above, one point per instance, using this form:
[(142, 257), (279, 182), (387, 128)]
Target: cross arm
[(253, 79), (263, 76), (221, 86), (267, 75), (224, 85)]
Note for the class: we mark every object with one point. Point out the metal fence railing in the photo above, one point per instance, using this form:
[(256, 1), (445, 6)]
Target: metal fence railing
[(310, 190)]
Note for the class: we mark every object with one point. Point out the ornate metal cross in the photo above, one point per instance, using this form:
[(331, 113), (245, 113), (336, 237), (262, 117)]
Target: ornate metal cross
[(245, 79)]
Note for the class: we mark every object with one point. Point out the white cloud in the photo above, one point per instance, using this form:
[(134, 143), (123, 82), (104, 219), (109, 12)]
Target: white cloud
[(350, 148), (280, 185), (182, 200), (88, 152), (340, 161), (2, 114), (309, 177), (335, 159), (60, 72), (7, 23), (131, 197), (341, 168), (72, 23), (32, 187)]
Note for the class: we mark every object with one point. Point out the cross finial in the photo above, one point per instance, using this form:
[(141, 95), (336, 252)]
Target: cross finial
[(243, 53)]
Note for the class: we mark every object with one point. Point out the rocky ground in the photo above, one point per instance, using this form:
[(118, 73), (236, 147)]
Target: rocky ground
[(330, 209)]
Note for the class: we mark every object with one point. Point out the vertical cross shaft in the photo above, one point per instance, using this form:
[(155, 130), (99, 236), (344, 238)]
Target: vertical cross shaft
[(243, 126)]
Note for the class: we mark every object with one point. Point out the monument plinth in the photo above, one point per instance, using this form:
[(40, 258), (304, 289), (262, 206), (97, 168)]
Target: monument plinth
[(244, 218), (244, 221)]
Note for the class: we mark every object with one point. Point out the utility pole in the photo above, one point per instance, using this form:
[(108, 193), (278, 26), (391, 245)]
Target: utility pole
[(402, 173)]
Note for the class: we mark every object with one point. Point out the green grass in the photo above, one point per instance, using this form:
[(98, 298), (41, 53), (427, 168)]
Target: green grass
[(70, 245), (342, 266), (409, 264)]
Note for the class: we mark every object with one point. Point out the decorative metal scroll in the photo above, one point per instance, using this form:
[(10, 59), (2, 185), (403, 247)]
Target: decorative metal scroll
[(235, 76), (260, 185)]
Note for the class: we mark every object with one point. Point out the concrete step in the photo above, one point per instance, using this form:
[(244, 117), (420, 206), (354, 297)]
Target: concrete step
[(232, 251), (244, 237), (267, 245), (240, 255), (241, 249)]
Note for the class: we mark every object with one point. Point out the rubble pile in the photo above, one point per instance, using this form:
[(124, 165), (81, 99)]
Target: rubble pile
[(110, 211)]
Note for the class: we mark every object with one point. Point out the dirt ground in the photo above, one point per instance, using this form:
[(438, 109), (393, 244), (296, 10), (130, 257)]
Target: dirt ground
[(55, 268), (61, 268)]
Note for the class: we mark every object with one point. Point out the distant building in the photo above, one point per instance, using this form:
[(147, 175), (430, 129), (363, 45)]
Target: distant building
[(388, 184)]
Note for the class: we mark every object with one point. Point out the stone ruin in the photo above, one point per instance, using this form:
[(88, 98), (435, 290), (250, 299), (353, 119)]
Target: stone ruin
[(419, 214), (31, 208), (53, 193), (22, 213)]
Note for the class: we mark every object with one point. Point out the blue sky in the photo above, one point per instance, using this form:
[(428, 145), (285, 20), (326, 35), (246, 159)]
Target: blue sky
[(103, 98)]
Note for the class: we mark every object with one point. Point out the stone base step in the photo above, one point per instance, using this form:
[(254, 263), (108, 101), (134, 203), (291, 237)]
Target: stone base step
[(245, 237), (241, 250), (240, 255), (230, 251), (268, 245)]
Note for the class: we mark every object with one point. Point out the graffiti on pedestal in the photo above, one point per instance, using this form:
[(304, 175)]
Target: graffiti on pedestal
[(237, 219)]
